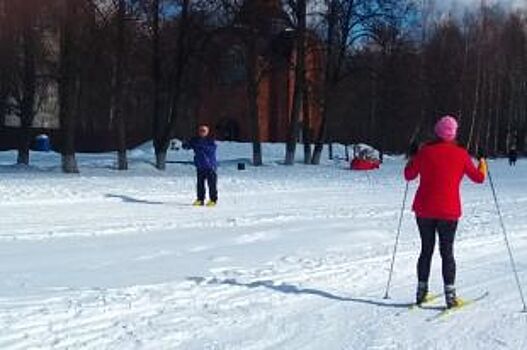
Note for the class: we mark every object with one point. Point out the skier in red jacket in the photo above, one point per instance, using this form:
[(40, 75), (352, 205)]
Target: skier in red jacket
[(440, 166)]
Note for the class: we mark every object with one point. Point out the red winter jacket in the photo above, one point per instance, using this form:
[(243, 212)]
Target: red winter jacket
[(441, 167)]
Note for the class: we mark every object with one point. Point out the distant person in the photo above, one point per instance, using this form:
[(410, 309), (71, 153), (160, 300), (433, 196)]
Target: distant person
[(440, 165), (513, 156), (204, 148)]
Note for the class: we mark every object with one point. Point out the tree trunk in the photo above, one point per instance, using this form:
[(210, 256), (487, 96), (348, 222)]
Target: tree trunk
[(257, 154), (460, 115), (482, 109), (69, 84), (69, 163), (373, 108), (161, 151), (29, 81), (23, 156), (497, 126), (122, 159), (497, 115), (252, 95), (328, 75), (322, 132), (306, 132), (3, 105), (321, 138), (4, 92), (23, 146), (3, 64), (307, 152), (317, 153), (161, 160), (116, 110), (475, 105), (510, 112), (490, 112), (520, 124), (166, 130), (158, 123), (299, 86), (427, 12)]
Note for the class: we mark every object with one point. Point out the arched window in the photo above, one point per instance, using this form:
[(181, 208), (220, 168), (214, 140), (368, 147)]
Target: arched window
[(233, 66)]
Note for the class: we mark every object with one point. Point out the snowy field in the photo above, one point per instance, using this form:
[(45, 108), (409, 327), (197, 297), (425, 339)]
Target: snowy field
[(292, 258)]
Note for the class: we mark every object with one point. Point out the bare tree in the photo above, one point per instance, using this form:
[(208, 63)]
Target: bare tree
[(69, 83), (300, 13), (29, 81), (306, 125), (253, 84), (164, 125), (118, 93), (346, 24), (6, 60), (157, 117), (332, 64), (471, 142), (24, 77)]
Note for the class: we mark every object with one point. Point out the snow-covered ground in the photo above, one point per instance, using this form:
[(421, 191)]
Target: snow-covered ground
[(292, 258)]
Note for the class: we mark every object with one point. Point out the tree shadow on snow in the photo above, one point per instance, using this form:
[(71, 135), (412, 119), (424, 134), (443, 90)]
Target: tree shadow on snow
[(128, 199), (292, 289)]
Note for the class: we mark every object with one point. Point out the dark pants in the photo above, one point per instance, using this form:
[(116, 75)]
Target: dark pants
[(210, 176), (446, 231)]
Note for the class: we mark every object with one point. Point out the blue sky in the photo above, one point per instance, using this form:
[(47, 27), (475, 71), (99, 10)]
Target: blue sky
[(460, 5)]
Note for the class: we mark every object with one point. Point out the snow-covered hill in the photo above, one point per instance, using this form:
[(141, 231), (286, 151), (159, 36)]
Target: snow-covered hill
[(292, 258)]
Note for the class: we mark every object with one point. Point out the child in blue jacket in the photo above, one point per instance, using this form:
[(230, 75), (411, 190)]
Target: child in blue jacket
[(204, 148)]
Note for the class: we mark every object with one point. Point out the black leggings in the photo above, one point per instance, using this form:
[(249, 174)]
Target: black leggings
[(211, 178), (446, 231)]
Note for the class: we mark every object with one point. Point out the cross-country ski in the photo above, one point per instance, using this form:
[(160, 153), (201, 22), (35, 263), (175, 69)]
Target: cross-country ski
[(445, 312)]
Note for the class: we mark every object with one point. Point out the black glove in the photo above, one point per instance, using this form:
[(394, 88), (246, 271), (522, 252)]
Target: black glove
[(482, 154)]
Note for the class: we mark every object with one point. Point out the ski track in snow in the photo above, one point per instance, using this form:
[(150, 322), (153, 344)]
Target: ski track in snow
[(292, 258)]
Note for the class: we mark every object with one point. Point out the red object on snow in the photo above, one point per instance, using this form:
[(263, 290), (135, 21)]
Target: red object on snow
[(440, 167), (365, 164)]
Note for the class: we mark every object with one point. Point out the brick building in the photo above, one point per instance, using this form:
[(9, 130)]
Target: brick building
[(224, 99)]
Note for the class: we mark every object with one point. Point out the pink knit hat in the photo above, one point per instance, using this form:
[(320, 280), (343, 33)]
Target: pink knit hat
[(446, 128)]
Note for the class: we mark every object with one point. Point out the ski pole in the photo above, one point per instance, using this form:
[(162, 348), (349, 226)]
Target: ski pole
[(507, 242), (387, 295)]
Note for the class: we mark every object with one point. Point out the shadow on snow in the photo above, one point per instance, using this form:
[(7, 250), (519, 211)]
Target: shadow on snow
[(292, 289), (128, 199)]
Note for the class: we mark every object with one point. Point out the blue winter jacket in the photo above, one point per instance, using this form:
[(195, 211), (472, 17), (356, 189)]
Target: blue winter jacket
[(204, 152)]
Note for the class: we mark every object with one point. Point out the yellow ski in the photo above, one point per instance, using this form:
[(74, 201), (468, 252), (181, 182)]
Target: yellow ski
[(430, 298), (463, 303)]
